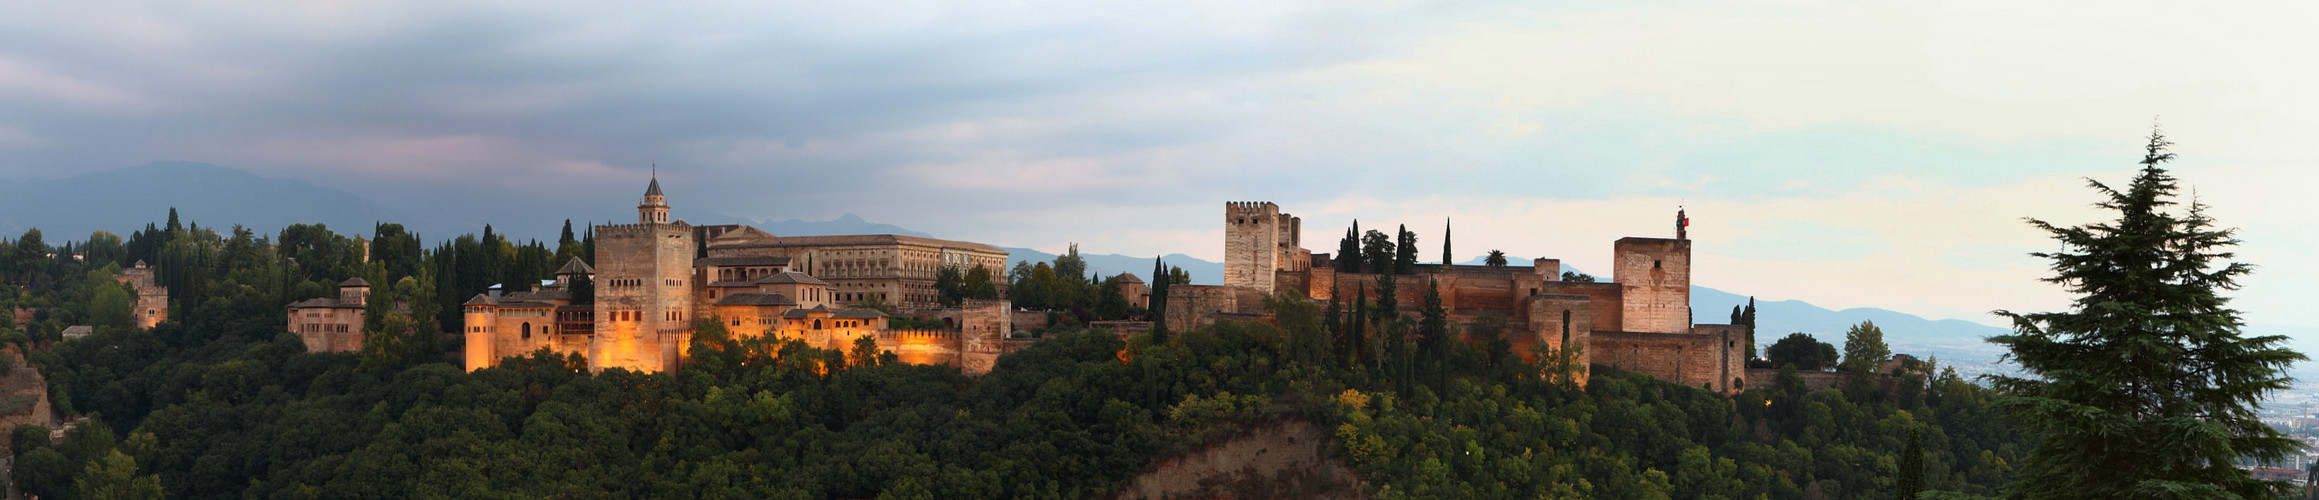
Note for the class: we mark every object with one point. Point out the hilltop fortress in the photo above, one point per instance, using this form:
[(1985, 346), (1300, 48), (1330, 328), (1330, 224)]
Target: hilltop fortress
[(1640, 320), (653, 280)]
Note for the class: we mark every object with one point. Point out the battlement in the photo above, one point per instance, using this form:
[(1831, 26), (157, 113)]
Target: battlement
[(1250, 208), (917, 335), (638, 230)]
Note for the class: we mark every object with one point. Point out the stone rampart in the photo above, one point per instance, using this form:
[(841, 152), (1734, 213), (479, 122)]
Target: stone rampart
[(1708, 359), (1192, 306)]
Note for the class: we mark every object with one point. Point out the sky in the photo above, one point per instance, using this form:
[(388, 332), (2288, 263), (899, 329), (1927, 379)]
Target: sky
[(1850, 154)]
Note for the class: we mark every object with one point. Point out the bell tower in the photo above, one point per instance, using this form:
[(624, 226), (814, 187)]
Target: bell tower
[(654, 210)]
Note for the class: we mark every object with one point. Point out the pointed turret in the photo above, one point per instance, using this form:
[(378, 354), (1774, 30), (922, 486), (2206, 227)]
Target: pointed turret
[(654, 210)]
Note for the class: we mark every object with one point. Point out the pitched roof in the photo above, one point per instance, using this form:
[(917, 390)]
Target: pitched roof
[(756, 299), (732, 284), (739, 261), (540, 295), (355, 282), (792, 277), (479, 300), (575, 266), (860, 313), (654, 189), (322, 303), (749, 240), (801, 313), (1129, 278)]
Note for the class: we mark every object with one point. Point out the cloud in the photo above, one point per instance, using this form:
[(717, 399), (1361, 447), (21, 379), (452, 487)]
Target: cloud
[(1849, 153)]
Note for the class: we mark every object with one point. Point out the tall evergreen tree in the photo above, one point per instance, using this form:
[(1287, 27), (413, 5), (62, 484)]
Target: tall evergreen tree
[(2145, 388), (1433, 337), (1349, 250), (1405, 256), (1910, 480), (1159, 301)]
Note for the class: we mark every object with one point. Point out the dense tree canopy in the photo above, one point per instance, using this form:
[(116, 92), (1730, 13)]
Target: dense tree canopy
[(1801, 351)]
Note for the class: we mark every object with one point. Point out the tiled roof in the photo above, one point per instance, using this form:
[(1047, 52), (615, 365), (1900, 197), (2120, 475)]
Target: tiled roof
[(792, 277), (858, 239), (739, 261), (322, 303), (355, 282), (575, 266), (756, 299)]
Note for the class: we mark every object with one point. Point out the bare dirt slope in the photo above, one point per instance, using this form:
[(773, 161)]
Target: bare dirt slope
[(1286, 459)]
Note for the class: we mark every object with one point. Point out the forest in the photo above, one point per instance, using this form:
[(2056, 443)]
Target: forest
[(220, 401)]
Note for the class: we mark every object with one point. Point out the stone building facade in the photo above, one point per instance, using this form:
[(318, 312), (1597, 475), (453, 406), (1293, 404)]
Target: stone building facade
[(654, 280), (1639, 320), (893, 269), (152, 300), (332, 325)]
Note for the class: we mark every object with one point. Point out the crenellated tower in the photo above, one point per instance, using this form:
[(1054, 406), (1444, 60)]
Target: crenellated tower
[(644, 310), (1259, 240)]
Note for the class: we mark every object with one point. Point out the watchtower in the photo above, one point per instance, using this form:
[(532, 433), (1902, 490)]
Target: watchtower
[(1258, 240)]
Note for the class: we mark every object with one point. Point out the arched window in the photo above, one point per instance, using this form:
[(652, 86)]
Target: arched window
[(817, 324), (527, 331)]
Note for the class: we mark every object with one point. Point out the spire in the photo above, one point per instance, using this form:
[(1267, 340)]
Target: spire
[(654, 210), (654, 189)]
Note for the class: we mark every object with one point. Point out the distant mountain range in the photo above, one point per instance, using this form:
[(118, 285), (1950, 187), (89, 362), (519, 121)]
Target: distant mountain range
[(124, 200)]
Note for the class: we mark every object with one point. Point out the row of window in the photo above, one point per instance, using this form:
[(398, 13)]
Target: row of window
[(322, 328)]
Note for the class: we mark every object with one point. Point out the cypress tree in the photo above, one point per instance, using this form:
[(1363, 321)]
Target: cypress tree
[(1433, 337), (2145, 388), (1405, 254), (1159, 301), (1911, 478), (1349, 250)]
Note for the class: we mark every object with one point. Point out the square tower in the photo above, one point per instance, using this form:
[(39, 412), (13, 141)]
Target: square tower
[(1654, 275), (644, 290), (1258, 240)]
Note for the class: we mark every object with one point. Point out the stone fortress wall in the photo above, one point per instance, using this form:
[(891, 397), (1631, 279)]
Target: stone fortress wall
[(1639, 320)]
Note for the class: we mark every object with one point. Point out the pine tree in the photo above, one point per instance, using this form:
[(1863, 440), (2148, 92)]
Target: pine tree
[(2145, 388)]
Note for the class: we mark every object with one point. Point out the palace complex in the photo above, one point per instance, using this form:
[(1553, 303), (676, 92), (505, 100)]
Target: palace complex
[(653, 280)]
